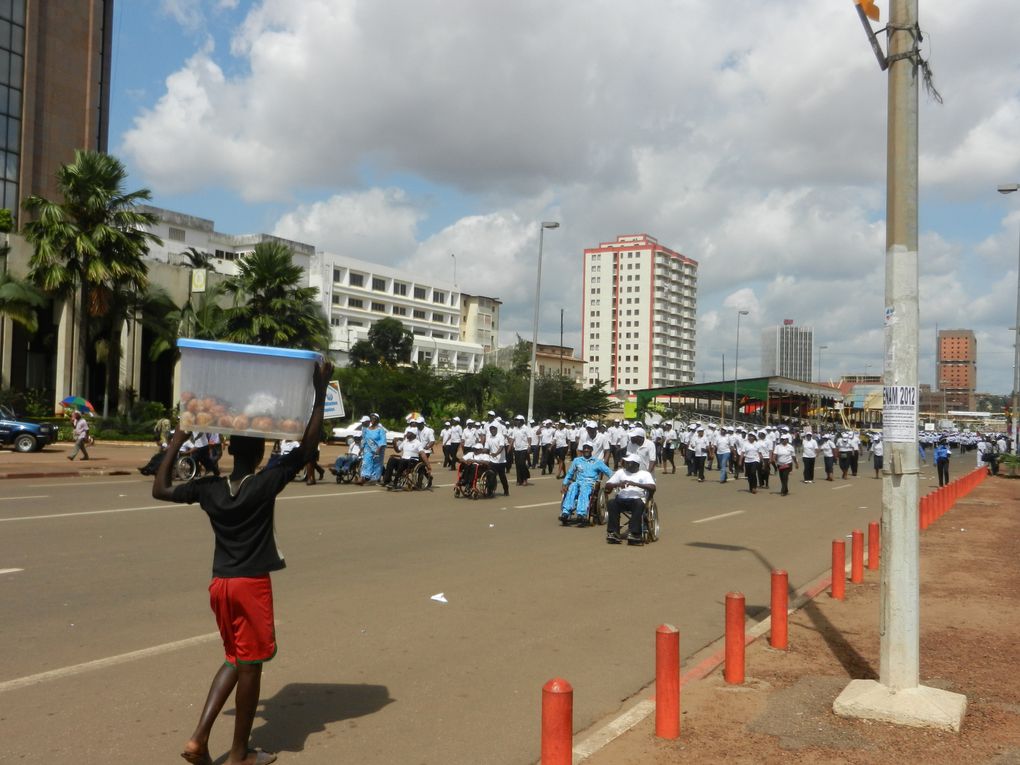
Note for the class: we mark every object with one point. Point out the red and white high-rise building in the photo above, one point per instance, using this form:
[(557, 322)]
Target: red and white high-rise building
[(639, 314)]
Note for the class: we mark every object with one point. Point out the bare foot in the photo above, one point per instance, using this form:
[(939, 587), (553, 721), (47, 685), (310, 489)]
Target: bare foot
[(196, 754)]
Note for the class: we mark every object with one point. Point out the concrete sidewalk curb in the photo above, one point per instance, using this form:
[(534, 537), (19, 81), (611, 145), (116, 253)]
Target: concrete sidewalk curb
[(705, 661)]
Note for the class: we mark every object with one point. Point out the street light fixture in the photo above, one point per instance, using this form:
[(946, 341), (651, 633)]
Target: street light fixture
[(534, 334), (1009, 188), (736, 367)]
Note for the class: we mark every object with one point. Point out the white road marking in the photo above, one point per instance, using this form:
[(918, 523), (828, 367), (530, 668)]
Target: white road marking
[(844, 486), (10, 570), (540, 504), (36, 496), (112, 661), (74, 484), (717, 517), (162, 506)]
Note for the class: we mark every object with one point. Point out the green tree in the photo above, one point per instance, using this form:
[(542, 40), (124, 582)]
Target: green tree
[(94, 238), (389, 344), (270, 307), (20, 300)]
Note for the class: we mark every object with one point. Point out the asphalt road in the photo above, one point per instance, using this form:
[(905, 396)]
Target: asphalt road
[(108, 644)]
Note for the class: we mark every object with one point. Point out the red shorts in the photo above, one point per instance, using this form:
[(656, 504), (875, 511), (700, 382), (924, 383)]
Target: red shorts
[(244, 614)]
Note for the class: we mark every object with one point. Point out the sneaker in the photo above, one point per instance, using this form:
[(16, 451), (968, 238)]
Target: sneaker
[(564, 518), (633, 540), (612, 539), (582, 520), (808, 481)]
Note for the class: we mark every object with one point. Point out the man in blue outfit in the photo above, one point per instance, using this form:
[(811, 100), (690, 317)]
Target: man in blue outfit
[(579, 482)]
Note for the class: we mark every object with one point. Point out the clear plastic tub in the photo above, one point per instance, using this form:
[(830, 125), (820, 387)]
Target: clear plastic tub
[(246, 390)]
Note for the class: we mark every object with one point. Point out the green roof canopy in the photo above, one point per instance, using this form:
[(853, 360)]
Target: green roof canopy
[(749, 389)]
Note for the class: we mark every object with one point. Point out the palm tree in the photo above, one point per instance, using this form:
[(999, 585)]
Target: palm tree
[(198, 258), (93, 238), (20, 300), (270, 308)]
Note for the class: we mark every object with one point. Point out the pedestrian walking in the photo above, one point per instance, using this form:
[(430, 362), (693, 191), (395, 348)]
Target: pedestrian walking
[(81, 436)]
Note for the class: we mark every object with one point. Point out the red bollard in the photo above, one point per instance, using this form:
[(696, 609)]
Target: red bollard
[(857, 557), (778, 637), (557, 722), (667, 682), (733, 670), (922, 512), (873, 547), (838, 590)]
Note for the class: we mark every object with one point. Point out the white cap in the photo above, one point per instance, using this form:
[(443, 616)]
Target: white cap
[(365, 418), (632, 458), (635, 432)]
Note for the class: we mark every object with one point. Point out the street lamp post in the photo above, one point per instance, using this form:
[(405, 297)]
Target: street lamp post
[(534, 334), (736, 366), (1009, 189)]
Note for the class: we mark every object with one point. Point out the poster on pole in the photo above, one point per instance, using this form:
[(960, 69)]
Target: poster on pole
[(899, 413), (334, 402)]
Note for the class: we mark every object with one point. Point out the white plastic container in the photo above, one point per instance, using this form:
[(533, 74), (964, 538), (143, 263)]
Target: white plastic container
[(246, 390)]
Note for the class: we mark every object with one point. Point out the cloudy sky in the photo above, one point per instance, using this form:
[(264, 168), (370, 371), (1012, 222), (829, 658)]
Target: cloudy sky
[(748, 135)]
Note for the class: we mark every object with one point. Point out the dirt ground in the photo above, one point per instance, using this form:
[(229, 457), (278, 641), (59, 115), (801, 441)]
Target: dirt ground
[(970, 622)]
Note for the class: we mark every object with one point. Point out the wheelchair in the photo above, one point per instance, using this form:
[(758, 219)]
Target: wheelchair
[(414, 478), (598, 507), (185, 468), (482, 483), (649, 521), (346, 474)]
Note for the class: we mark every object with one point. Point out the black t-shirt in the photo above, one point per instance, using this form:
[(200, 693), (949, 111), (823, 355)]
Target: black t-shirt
[(243, 525)]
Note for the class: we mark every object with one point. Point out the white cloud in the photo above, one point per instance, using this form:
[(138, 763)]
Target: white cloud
[(750, 136)]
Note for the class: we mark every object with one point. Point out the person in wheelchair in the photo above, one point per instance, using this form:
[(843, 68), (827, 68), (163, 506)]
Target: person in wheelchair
[(635, 486), (346, 464), (472, 466), (410, 450), (581, 479)]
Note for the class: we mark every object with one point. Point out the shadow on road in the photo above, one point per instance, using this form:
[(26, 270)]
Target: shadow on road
[(852, 661), (301, 709)]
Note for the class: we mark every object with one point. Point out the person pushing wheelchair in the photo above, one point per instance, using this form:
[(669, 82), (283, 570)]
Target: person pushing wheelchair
[(578, 483), (636, 488)]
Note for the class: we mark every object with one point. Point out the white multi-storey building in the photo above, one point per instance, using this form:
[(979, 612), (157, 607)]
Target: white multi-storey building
[(181, 232), (479, 321), (357, 294), (639, 314), (354, 293), (786, 351)]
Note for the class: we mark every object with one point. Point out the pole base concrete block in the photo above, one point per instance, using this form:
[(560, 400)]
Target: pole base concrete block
[(919, 707)]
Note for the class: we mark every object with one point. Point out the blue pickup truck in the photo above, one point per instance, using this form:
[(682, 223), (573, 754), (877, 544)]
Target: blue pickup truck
[(23, 435)]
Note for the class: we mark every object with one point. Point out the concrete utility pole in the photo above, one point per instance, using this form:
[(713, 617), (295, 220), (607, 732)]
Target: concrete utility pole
[(897, 696)]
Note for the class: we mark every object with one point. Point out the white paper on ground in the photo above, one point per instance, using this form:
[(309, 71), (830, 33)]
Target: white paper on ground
[(440, 597)]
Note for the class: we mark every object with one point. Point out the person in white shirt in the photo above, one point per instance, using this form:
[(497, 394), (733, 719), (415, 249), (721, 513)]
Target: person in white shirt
[(765, 459), (520, 441), (855, 441), (599, 441), (721, 449), (642, 448), (749, 457), (828, 450), (408, 451), (545, 442), (698, 447), (533, 445), (621, 444), (496, 445), (784, 458), (636, 487), (456, 437), (469, 438), (444, 443), (559, 446), (877, 453), (427, 436), (845, 446), (669, 444), (809, 451), (656, 435)]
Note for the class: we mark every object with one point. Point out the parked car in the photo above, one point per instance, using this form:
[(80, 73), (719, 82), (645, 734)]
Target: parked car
[(24, 435), (347, 431)]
